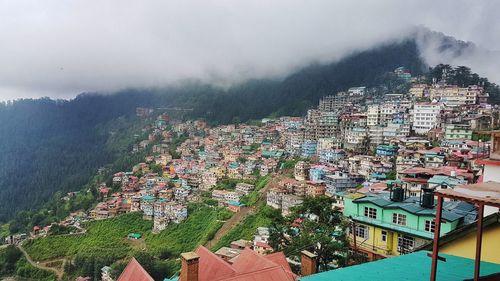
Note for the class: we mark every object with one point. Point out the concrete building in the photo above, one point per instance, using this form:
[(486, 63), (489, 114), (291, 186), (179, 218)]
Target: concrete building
[(457, 132), (391, 225), (425, 117), (373, 115), (288, 202), (340, 181)]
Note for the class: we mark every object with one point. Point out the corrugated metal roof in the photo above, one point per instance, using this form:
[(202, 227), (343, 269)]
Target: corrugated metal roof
[(411, 267)]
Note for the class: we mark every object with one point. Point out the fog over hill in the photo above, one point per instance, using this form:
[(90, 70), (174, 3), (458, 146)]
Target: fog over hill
[(62, 49)]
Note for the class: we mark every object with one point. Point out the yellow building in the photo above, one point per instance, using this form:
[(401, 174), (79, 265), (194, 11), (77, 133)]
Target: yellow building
[(462, 242), (390, 225), (382, 243)]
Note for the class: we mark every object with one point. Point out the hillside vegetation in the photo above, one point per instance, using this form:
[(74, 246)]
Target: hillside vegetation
[(105, 242), (49, 146)]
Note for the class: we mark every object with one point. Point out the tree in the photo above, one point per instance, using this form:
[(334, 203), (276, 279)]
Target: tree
[(314, 226)]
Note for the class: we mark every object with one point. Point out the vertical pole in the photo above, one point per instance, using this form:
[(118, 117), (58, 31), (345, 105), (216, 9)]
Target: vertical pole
[(479, 240), (437, 230), (354, 236)]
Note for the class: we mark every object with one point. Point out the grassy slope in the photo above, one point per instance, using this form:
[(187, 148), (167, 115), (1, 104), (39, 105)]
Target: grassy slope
[(246, 229), (23, 270), (109, 236), (200, 226), (106, 235)]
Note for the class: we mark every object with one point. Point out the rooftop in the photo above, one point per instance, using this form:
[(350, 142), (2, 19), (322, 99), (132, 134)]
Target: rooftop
[(452, 210), (411, 267), (487, 193)]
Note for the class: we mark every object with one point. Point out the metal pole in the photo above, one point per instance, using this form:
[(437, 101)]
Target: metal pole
[(479, 240), (354, 236), (437, 230)]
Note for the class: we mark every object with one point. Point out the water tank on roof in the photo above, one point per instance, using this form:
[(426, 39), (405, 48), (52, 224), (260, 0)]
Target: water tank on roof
[(427, 198), (397, 194)]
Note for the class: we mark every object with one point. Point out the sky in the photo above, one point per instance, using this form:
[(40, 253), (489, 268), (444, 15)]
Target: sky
[(62, 48)]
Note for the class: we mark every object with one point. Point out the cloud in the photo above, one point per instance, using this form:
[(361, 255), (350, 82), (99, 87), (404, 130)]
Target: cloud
[(61, 48)]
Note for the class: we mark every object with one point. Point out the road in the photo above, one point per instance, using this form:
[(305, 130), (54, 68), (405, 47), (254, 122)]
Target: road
[(59, 273)]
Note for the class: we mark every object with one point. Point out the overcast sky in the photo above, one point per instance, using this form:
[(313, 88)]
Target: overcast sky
[(62, 48)]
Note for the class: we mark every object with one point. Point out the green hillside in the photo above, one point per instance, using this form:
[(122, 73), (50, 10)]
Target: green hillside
[(105, 242)]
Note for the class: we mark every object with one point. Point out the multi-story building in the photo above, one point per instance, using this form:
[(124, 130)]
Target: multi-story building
[(418, 90), (301, 171), (357, 91), (390, 225), (457, 132), (425, 117), (294, 140), (452, 95), (147, 206), (331, 156), (244, 188), (333, 102), (376, 135), (326, 144), (274, 197), (288, 202), (340, 181), (373, 115), (315, 189), (309, 148), (355, 137)]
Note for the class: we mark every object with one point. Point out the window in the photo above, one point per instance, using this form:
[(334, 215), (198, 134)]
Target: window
[(430, 226), (361, 231), (384, 236), (405, 244), (370, 212), (399, 219)]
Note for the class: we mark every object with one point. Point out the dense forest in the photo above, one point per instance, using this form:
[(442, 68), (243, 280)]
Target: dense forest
[(58, 145)]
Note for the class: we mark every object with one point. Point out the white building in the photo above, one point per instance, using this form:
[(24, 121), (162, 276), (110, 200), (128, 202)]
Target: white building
[(355, 137), (425, 117), (373, 115)]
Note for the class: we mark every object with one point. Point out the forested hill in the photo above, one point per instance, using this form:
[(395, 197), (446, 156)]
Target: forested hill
[(49, 146)]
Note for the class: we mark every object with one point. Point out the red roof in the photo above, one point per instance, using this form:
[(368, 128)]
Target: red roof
[(248, 266), (262, 245), (212, 267), (445, 170), (134, 272), (488, 162)]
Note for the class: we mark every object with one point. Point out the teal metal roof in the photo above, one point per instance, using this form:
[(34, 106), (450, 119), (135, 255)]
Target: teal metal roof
[(449, 181), (148, 197), (411, 267), (235, 203), (452, 210)]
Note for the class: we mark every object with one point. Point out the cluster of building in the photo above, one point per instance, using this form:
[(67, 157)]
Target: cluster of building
[(383, 158), (355, 121)]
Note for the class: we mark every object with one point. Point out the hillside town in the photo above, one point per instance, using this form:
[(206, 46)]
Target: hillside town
[(381, 157)]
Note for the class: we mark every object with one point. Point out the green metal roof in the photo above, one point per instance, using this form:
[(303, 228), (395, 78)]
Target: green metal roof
[(411, 267), (449, 181), (148, 197), (452, 210), (135, 235)]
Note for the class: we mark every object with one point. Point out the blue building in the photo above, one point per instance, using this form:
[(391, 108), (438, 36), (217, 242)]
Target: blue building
[(331, 156), (309, 148), (386, 150), (316, 173)]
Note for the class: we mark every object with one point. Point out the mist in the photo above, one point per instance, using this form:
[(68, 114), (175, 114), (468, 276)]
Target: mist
[(61, 48)]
